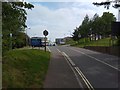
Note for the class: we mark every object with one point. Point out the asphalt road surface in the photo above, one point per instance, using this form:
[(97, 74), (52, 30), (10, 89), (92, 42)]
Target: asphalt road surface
[(94, 69), (60, 74)]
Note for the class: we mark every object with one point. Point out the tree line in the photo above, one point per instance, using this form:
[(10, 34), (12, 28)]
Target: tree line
[(97, 27), (14, 16)]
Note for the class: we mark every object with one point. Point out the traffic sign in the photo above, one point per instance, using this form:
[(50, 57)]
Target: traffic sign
[(45, 32)]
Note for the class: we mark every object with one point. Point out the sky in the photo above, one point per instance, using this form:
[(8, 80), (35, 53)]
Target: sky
[(60, 17)]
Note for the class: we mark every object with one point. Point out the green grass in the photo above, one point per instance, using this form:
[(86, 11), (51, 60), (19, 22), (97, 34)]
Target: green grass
[(101, 42), (86, 42), (25, 68)]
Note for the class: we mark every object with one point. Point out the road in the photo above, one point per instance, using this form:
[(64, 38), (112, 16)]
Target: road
[(94, 69), (60, 74)]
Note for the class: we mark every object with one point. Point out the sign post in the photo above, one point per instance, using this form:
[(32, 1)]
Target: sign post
[(45, 33)]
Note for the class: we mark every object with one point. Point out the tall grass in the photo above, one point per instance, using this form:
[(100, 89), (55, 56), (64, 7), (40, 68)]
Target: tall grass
[(25, 68)]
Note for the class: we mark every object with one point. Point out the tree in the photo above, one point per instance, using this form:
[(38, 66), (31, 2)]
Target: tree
[(107, 18), (102, 25), (13, 21), (84, 28), (76, 34), (108, 3), (98, 26), (95, 25)]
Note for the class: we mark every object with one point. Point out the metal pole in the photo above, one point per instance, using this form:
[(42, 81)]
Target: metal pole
[(45, 43)]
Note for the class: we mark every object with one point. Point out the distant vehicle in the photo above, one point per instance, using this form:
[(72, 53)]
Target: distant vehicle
[(51, 44), (54, 44), (36, 42)]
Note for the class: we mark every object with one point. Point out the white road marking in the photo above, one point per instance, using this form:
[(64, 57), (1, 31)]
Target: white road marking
[(59, 51), (79, 82), (64, 54), (90, 87), (97, 60), (71, 62), (76, 69)]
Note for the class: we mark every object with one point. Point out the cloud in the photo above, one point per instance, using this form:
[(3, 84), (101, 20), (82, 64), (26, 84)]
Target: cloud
[(61, 20)]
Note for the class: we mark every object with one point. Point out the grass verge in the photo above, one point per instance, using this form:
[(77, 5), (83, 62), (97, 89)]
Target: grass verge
[(86, 42), (24, 68)]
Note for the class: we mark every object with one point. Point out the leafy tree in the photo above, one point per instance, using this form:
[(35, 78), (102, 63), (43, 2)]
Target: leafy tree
[(84, 28), (13, 21), (107, 19), (76, 35), (108, 3), (97, 26)]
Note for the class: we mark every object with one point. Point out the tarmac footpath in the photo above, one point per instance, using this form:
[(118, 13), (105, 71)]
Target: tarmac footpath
[(59, 74)]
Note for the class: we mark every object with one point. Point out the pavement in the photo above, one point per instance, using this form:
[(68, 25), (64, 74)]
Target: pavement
[(59, 74)]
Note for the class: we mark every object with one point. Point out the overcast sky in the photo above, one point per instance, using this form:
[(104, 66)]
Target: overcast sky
[(60, 17)]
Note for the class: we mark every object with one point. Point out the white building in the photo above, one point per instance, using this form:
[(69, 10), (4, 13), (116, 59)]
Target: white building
[(60, 41)]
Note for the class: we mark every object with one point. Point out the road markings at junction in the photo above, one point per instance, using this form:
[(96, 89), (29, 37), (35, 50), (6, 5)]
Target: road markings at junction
[(97, 60)]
